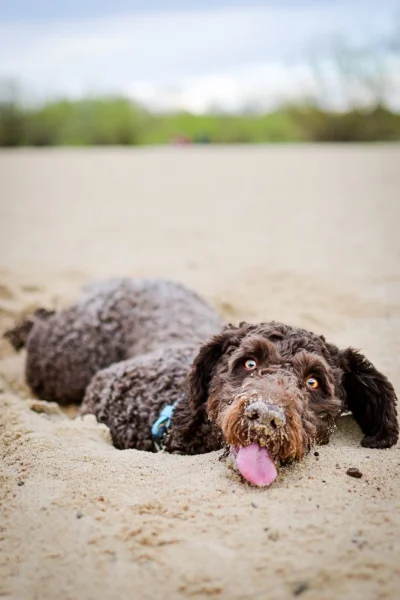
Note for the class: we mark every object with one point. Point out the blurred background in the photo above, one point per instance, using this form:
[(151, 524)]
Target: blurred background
[(198, 71)]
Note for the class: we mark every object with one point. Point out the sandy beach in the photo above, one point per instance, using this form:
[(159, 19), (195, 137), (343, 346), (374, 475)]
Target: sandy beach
[(303, 234)]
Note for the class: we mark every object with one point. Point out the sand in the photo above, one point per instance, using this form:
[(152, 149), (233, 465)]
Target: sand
[(307, 235)]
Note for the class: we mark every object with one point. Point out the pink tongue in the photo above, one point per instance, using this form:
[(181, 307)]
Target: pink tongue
[(255, 464)]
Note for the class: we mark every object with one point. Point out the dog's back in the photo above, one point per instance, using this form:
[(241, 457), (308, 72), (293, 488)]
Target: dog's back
[(113, 321)]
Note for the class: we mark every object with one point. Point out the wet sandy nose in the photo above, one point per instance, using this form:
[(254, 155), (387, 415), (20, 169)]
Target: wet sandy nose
[(265, 413)]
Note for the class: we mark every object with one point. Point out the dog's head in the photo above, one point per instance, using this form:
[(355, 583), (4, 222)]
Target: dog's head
[(274, 391)]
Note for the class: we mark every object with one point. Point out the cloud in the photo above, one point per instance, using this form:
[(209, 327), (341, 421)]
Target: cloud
[(188, 59), (254, 86)]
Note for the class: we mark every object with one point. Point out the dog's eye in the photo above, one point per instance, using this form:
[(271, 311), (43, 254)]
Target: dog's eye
[(312, 383), (250, 364)]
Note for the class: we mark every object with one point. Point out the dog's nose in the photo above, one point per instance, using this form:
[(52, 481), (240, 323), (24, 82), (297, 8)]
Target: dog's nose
[(263, 413)]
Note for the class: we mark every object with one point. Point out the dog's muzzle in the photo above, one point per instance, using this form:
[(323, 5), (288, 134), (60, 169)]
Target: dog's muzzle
[(265, 415)]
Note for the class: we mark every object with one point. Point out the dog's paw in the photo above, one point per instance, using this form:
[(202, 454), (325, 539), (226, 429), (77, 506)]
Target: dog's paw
[(379, 441)]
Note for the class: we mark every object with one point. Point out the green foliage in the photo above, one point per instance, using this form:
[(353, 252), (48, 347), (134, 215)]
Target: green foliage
[(112, 121), (223, 129), (118, 121), (317, 125), (12, 124)]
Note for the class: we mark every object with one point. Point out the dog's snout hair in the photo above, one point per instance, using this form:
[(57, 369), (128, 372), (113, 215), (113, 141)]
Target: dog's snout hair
[(271, 384), (267, 394), (267, 409)]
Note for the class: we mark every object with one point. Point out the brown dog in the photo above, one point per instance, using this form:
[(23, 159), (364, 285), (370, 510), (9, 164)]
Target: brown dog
[(140, 355)]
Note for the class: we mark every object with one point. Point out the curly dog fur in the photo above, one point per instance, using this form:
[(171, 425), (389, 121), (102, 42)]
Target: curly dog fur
[(113, 321), (130, 347)]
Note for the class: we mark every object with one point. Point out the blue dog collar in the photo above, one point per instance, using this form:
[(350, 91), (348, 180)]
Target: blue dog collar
[(162, 425)]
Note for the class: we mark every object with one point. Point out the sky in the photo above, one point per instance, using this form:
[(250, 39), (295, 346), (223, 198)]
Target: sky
[(194, 55)]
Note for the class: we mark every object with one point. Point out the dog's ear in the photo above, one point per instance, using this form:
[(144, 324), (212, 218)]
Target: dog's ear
[(206, 360), (371, 398)]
